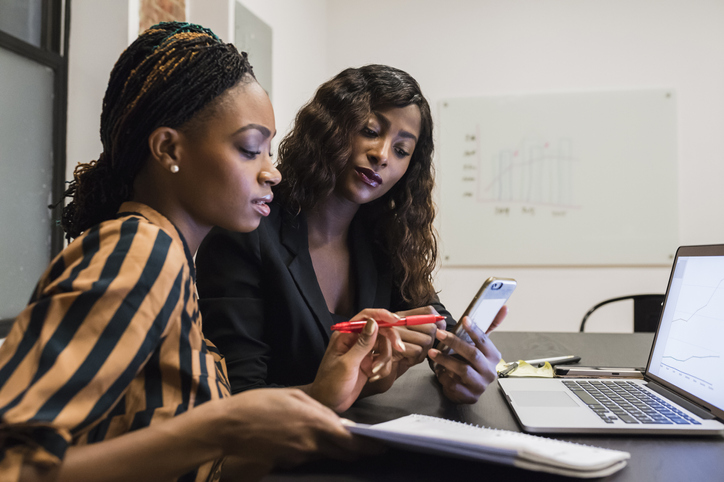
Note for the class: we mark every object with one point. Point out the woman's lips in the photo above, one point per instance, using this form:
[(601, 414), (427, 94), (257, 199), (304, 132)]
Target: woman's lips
[(261, 206), (368, 176)]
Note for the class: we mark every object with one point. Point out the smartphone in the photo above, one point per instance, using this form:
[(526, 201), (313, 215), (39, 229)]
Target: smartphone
[(490, 298), (599, 372)]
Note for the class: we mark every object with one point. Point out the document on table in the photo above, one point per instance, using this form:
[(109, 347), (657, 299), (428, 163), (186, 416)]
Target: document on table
[(427, 434)]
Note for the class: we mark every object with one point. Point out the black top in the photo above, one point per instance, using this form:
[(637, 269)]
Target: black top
[(263, 307)]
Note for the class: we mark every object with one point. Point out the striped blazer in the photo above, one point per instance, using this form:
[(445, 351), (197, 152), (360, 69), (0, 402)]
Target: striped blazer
[(110, 342)]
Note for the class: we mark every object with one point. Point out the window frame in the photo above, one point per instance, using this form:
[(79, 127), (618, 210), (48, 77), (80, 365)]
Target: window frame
[(53, 53)]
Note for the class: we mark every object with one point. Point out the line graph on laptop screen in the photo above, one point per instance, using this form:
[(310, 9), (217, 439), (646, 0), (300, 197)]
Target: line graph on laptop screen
[(689, 350)]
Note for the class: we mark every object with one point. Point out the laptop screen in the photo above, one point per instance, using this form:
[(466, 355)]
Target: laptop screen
[(688, 352)]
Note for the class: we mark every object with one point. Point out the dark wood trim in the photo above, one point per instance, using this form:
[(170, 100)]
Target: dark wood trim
[(52, 17), (60, 128), (46, 26), (30, 51)]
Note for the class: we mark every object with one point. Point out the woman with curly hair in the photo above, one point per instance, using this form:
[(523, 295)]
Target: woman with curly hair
[(351, 227)]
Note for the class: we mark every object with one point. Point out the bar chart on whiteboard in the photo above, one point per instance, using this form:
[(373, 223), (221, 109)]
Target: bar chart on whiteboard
[(558, 179), (535, 172)]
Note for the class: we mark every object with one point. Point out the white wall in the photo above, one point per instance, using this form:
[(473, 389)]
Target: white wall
[(98, 35), (100, 32), (299, 52), (461, 48), (479, 47)]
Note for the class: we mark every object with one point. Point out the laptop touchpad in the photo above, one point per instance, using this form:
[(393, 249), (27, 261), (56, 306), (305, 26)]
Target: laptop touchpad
[(543, 399)]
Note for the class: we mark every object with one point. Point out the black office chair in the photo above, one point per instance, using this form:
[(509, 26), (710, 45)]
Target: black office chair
[(647, 311)]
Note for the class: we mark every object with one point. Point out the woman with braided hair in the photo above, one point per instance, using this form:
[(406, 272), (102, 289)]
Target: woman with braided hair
[(351, 227), (107, 375)]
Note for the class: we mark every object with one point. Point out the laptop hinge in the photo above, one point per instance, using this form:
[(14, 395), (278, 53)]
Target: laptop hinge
[(678, 399)]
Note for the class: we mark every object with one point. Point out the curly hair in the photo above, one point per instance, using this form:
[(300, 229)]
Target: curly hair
[(169, 74), (316, 151)]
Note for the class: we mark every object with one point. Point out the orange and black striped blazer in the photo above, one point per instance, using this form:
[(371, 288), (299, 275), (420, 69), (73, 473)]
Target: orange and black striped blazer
[(110, 342)]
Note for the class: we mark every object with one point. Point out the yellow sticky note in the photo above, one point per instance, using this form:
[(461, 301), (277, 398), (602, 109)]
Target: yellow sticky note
[(527, 370)]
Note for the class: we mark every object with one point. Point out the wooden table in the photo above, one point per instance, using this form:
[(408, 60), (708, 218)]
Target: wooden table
[(670, 458)]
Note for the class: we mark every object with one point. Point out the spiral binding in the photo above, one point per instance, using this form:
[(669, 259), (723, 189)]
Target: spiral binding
[(503, 431)]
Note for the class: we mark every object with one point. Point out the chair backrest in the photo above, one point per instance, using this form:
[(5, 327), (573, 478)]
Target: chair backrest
[(647, 311)]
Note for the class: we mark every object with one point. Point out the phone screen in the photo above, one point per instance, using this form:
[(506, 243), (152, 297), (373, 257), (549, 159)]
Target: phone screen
[(484, 307), (485, 312), (482, 317)]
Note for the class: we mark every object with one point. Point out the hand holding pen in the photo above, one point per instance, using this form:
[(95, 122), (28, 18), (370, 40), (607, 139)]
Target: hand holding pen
[(356, 326), (416, 327), (353, 360)]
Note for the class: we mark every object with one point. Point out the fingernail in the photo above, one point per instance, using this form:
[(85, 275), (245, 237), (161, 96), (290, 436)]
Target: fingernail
[(433, 352), (347, 422), (441, 334), (397, 316), (374, 378), (377, 367), (369, 327), (400, 345)]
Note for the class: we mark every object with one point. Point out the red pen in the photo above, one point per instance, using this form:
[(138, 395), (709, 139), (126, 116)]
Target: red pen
[(357, 325)]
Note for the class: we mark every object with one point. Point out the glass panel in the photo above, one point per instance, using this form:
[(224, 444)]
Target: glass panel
[(254, 37), (22, 19), (26, 135)]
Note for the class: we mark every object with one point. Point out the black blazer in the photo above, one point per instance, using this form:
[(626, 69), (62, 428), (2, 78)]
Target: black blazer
[(262, 305)]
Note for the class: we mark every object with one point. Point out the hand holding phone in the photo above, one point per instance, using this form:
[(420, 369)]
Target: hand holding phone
[(459, 383), (483, 308)]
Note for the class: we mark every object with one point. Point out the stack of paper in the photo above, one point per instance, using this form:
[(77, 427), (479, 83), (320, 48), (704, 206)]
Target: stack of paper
[(436, 435)]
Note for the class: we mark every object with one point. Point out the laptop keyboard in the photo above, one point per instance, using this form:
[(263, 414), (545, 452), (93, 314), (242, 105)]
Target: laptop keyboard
[(627, 401)]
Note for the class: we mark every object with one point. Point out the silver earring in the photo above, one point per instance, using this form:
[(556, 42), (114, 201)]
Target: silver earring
[(174, 168)]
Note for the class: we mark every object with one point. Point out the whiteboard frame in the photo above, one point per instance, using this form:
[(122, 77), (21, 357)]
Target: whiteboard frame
[(603, 219)]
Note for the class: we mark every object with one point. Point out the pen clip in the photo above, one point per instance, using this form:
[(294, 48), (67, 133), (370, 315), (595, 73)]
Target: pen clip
[(508, 370)]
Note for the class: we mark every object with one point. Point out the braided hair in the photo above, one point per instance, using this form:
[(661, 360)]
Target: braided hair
[(315, 153), (165, 77)]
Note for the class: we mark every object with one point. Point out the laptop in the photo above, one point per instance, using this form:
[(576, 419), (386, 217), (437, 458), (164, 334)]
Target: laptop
[(682, 391)]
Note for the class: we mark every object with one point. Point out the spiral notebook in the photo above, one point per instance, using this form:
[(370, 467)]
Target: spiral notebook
[(427, 434)]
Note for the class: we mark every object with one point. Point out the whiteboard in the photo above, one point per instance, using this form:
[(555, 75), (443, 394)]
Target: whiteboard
[(581, 178)]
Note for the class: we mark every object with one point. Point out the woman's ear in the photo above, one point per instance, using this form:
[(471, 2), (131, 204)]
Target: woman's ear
[(165, 149)]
